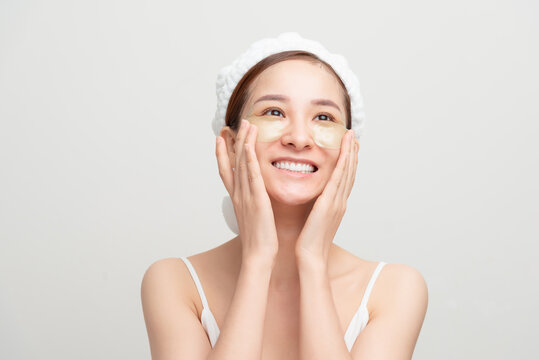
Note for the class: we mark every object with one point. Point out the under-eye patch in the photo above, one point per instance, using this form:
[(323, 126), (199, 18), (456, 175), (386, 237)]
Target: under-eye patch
[(327, 134), (270, 128)]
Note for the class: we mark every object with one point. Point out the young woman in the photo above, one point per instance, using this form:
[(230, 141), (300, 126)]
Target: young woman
[(282, 289)]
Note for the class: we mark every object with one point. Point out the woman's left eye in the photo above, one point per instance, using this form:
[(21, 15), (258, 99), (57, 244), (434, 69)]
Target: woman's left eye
[(328, 117)]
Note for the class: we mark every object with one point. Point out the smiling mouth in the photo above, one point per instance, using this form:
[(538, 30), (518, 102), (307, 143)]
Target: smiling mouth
[(308, 169)]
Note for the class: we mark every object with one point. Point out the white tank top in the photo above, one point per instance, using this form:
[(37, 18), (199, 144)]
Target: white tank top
[(357, 324)]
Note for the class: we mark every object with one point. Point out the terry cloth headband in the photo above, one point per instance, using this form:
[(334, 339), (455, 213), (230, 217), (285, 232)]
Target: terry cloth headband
[(229, 76)]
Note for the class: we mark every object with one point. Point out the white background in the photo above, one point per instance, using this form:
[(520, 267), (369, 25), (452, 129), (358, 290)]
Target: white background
[(107, 160)]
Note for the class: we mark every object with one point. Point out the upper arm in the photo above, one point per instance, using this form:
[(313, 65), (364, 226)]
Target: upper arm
[(174, 330), (395, 323)]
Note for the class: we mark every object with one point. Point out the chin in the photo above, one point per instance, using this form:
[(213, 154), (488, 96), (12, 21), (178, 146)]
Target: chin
[(293, 198)]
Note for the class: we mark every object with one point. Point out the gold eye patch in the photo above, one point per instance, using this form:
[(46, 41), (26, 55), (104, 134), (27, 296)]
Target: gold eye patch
[(327, 134), (270, 128)]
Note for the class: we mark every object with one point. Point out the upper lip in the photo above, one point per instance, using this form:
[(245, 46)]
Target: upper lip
[(296, 160)]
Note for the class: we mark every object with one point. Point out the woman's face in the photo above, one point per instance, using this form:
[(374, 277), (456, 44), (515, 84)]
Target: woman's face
[(299, 83)]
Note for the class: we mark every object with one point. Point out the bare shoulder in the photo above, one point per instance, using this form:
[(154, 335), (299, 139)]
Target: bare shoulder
[(172, 322), (169, 268), (403, 276), (397, 309), (399, 282), (168, 278), (394, 281)]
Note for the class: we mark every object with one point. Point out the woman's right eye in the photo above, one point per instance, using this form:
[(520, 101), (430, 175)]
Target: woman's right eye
[(272, 112)]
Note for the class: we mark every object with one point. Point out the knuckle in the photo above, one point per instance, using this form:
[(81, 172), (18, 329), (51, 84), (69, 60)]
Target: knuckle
[(253, 176)]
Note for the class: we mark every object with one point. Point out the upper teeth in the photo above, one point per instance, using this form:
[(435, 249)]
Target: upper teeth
[(304, 168)]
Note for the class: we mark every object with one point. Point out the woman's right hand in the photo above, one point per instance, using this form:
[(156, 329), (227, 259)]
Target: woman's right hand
[(246, 187)]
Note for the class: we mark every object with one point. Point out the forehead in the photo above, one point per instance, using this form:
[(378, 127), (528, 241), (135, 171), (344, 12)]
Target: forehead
[(299, 79)]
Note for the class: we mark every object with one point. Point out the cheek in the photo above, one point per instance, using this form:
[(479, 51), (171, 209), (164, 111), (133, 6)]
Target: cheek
[(264, 162), (331, 160), (261, 148)]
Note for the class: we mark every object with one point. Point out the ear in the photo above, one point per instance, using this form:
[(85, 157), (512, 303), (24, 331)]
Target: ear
[(230, 139)]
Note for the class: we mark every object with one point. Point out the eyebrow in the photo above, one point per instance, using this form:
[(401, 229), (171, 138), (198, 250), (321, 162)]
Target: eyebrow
[(285, 99)]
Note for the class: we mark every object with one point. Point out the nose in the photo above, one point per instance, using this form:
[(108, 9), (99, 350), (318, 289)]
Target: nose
[(298, 134)]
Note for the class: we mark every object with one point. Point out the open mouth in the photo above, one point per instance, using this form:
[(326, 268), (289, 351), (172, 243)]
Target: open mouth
[(295, 167)]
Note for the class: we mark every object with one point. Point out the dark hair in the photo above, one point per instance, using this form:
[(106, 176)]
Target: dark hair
[(241, 92)]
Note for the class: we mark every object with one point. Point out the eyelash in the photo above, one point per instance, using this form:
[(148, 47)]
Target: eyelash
[(331, 118)]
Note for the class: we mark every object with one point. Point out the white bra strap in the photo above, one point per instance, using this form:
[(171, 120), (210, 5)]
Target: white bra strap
[(197, 281), (371, 283)]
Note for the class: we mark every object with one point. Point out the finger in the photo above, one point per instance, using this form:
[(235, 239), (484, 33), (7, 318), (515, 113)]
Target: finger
[(238, 149), (223, 162), (354, 169), (336, 177), (242, 165), (244, 174), (343, 184), (351, 172), (256, 183)]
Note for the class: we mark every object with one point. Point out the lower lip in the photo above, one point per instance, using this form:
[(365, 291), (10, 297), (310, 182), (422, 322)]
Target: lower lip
[(295, 174)]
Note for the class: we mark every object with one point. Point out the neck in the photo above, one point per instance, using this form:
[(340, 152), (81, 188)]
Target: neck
[(289, 221)]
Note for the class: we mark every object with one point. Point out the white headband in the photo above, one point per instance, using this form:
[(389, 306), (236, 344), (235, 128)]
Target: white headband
[(230, 75)]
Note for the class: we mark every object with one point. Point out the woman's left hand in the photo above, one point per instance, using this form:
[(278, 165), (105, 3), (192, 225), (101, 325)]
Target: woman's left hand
[(325, 217)]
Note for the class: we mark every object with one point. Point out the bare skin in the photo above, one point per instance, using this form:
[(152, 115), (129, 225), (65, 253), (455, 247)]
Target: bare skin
[(265, 258), (218, 269)]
